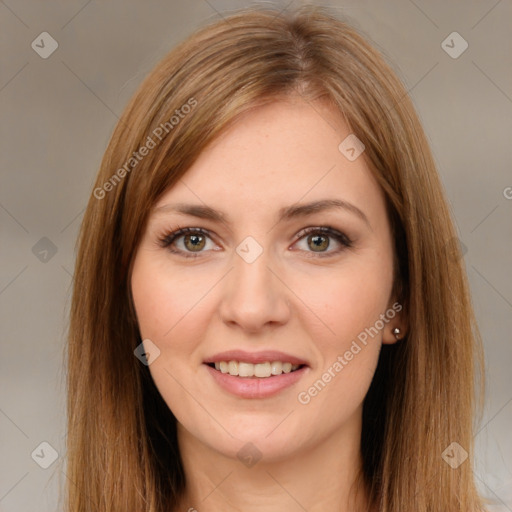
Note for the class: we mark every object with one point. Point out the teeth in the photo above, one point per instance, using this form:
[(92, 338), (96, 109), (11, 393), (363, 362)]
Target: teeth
[(262, 370), (242, 369), (276, 368)]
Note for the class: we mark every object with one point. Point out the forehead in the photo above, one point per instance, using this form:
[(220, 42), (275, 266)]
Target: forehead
[(276, 155)]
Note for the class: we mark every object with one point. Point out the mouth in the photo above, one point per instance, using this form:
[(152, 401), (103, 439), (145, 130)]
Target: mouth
[(263, 370), (255, 380)]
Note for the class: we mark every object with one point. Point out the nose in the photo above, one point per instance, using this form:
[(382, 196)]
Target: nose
[(254, 297)]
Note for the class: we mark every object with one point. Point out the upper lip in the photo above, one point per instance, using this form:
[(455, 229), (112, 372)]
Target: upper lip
[(255, 357)]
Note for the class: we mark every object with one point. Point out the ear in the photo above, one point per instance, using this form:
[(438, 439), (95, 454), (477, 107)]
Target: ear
[(396, 319)]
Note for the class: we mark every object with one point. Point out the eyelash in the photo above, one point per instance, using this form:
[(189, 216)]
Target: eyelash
[(167, 239)]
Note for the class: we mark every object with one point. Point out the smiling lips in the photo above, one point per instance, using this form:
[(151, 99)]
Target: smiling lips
[(256, 374), (263, 370)]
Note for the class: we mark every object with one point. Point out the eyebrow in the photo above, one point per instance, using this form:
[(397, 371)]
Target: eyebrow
[(284, 214)]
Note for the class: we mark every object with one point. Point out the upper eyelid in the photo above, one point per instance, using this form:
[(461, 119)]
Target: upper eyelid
[(326, 230)]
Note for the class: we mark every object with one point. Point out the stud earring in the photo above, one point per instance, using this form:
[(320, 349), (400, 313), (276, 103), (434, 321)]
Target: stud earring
[(396, 331)]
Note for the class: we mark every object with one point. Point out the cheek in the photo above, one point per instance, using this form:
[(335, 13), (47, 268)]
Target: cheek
[(351, 306), (170, 307), (169, 314), (346, 301), (161, 300), (349, 302)]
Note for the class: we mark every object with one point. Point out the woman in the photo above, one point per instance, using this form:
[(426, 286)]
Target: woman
[(269, 307)]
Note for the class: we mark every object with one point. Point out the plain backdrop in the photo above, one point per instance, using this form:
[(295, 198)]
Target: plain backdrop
[(58, 112)]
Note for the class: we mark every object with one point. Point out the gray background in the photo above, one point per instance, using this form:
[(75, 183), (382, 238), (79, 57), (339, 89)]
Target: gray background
[(58, 114)]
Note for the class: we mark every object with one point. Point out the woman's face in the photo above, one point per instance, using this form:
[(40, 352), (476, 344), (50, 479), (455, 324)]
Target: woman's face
[(272, 283)]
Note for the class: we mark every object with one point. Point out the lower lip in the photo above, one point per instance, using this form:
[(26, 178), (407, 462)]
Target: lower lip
[(256, 387)]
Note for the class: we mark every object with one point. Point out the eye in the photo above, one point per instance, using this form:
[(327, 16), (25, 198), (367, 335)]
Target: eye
[(194, 240), (317, 239)]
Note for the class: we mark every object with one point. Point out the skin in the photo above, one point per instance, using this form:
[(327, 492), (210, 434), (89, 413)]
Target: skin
[(312, 307)]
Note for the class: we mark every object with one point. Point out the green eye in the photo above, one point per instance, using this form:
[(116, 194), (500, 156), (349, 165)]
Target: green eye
[(318, 240)]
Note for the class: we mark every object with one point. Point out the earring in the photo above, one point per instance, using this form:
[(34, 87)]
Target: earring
[(396, 331)]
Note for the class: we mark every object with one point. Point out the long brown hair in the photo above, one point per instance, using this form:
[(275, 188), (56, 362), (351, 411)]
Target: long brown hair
[(122, 451)]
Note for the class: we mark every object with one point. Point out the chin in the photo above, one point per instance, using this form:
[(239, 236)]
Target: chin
[(263, 436)]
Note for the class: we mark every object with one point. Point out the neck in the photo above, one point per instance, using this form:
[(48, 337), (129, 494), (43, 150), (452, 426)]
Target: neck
[(319, 478)]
